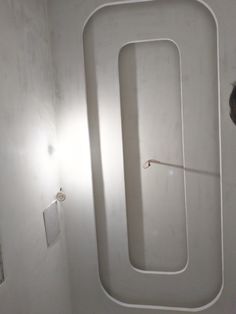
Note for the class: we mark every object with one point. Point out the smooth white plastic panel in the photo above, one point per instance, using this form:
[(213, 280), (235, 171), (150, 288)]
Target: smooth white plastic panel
[(153, 85), (52, 224)]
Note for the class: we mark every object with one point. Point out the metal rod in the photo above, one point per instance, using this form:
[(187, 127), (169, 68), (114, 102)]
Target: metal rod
[(148, 163)]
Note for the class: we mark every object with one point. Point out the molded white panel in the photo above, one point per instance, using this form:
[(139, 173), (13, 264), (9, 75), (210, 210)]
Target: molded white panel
[(194, 31), (91, 246), (51, 222)]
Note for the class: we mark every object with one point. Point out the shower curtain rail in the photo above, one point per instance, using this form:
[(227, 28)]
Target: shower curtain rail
[(149, 162)]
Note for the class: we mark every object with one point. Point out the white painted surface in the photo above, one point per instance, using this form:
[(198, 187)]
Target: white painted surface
[(201, 281), (36, 280), (151, 115), (51, 223), (68, 19)]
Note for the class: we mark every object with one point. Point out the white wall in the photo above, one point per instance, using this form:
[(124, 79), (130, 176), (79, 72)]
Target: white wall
[(68, 18), (36, 280)]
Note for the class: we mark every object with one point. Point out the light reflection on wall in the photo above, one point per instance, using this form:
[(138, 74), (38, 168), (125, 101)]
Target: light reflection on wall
[(73, 151)]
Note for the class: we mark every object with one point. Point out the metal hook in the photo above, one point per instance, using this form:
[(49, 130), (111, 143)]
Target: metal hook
[(60, 196)]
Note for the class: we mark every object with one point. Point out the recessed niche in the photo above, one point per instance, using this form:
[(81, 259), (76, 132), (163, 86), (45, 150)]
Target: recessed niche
[(150, 91)]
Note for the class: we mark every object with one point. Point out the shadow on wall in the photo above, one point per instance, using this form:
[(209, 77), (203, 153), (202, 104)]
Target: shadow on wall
[(1, 267)]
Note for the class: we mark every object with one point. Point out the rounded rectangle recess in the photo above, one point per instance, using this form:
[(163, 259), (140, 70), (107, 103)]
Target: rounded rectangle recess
[(193, 28), (150, 93)]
